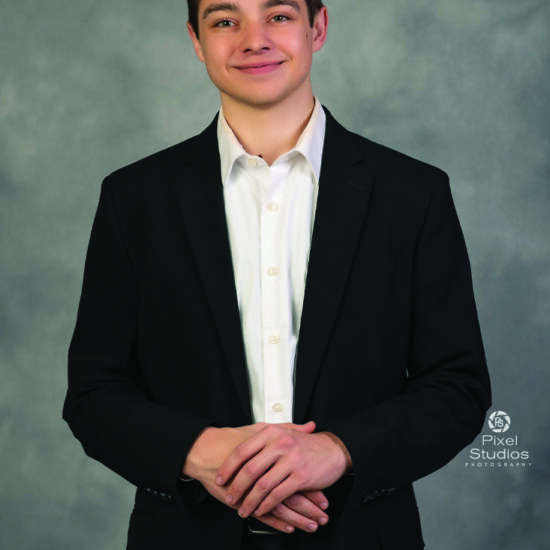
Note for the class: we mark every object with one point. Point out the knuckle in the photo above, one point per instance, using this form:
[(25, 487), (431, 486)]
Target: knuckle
[(250, 468), (263, 485), (277, 495), (273, 430), (239, 484), (286, 441), (240, 452), (293, 500), (236, 490), (278, 524)]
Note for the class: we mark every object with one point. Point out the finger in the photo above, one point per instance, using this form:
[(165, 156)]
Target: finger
[(257, 427), (308, 427), (285, 514), (252, 446), (318, 498), (277, 523), (260, 489), (302, 505), (281, 492), (241, 454), (257, 477)]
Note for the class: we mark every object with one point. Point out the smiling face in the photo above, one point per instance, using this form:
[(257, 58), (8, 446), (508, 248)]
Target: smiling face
[(259, 52)]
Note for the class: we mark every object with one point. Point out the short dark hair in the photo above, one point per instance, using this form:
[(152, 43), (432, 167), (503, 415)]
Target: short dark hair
[(313, 7)]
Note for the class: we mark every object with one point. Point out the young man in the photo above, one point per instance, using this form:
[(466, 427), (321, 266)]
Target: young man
[(277, 333)]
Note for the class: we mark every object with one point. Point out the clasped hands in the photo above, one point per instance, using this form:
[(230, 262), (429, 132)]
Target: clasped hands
[(273, 472)]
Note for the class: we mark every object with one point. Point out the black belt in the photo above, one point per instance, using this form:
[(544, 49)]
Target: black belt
[(256, 527)]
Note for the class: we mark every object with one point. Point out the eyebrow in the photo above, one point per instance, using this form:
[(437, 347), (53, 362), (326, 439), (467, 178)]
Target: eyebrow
[(230, 6), (222, 6), (275, 3)]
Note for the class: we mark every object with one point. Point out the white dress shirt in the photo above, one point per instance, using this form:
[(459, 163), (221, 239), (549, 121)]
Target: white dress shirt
[(270, 212)]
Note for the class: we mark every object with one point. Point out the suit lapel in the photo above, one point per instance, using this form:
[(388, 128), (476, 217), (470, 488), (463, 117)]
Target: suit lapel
[(344, 190), (199, 191)]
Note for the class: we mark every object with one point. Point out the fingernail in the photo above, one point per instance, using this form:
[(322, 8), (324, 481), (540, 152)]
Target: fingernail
[(242, 512), (229, 499), (322, 521), (219, 480), (312, 527), (289, 529), (324, 505)]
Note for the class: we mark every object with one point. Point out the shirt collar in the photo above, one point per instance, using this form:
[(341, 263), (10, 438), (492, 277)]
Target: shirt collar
[(309, 145)]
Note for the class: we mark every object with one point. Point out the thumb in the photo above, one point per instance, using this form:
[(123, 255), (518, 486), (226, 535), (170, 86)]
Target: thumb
[(257, 427), (308, 427)]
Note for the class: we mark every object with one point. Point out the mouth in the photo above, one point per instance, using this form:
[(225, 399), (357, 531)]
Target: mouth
[(260, 68)]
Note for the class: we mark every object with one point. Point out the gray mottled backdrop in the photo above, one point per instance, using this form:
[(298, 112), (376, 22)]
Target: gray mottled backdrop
[(88, 86)]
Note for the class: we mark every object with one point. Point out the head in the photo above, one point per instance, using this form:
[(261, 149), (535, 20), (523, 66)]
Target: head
[(313, 7), (258, 53)]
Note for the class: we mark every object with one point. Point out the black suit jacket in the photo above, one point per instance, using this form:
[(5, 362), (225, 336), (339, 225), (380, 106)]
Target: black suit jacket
[(389, 358)]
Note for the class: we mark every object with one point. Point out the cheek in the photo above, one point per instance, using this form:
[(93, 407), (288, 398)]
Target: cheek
[(214, 59), (301, 45)]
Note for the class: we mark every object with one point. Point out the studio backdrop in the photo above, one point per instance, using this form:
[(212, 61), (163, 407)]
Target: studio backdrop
[(87, 87)]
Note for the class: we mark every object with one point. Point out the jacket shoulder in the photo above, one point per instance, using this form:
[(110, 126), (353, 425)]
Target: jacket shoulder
[(162, 165), (385, 163), (163, 160), (384, 160)]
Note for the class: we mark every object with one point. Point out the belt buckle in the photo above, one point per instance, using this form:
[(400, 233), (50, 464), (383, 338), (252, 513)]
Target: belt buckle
[(256, 527)]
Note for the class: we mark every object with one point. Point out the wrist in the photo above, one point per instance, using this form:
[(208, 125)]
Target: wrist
[(347, 462), (195, 459)]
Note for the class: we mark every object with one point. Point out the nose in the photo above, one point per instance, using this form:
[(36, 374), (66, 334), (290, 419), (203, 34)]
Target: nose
[(255, 38)]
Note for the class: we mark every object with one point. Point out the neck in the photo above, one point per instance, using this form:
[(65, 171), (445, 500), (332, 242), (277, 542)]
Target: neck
[(268, 131)]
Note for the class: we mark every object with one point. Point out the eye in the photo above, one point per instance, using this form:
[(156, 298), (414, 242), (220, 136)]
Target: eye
[(224, 23), (280, 18)]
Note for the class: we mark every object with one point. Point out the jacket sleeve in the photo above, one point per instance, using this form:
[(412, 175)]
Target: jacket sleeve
[(447, 391), (107, 405)]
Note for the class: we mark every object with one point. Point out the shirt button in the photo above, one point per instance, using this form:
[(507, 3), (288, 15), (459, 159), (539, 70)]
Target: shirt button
[(278, 407), (273, 207), (251, 162), (273, 271), (274, 339)]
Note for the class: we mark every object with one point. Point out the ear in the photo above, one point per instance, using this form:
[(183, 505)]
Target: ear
[(320, 26), (196, 43)]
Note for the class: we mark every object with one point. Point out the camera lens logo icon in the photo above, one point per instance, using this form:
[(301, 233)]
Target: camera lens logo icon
[(499, 422)]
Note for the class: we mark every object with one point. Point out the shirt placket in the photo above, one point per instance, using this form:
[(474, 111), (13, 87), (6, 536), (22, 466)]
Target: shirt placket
[(277, 402)]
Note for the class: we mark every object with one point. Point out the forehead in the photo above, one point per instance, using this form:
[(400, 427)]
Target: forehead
[(205, 7)]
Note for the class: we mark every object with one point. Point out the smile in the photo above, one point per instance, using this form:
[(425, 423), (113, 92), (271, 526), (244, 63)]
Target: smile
[(260, 68)]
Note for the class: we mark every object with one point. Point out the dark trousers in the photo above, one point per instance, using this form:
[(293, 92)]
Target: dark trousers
[(251, 541)]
